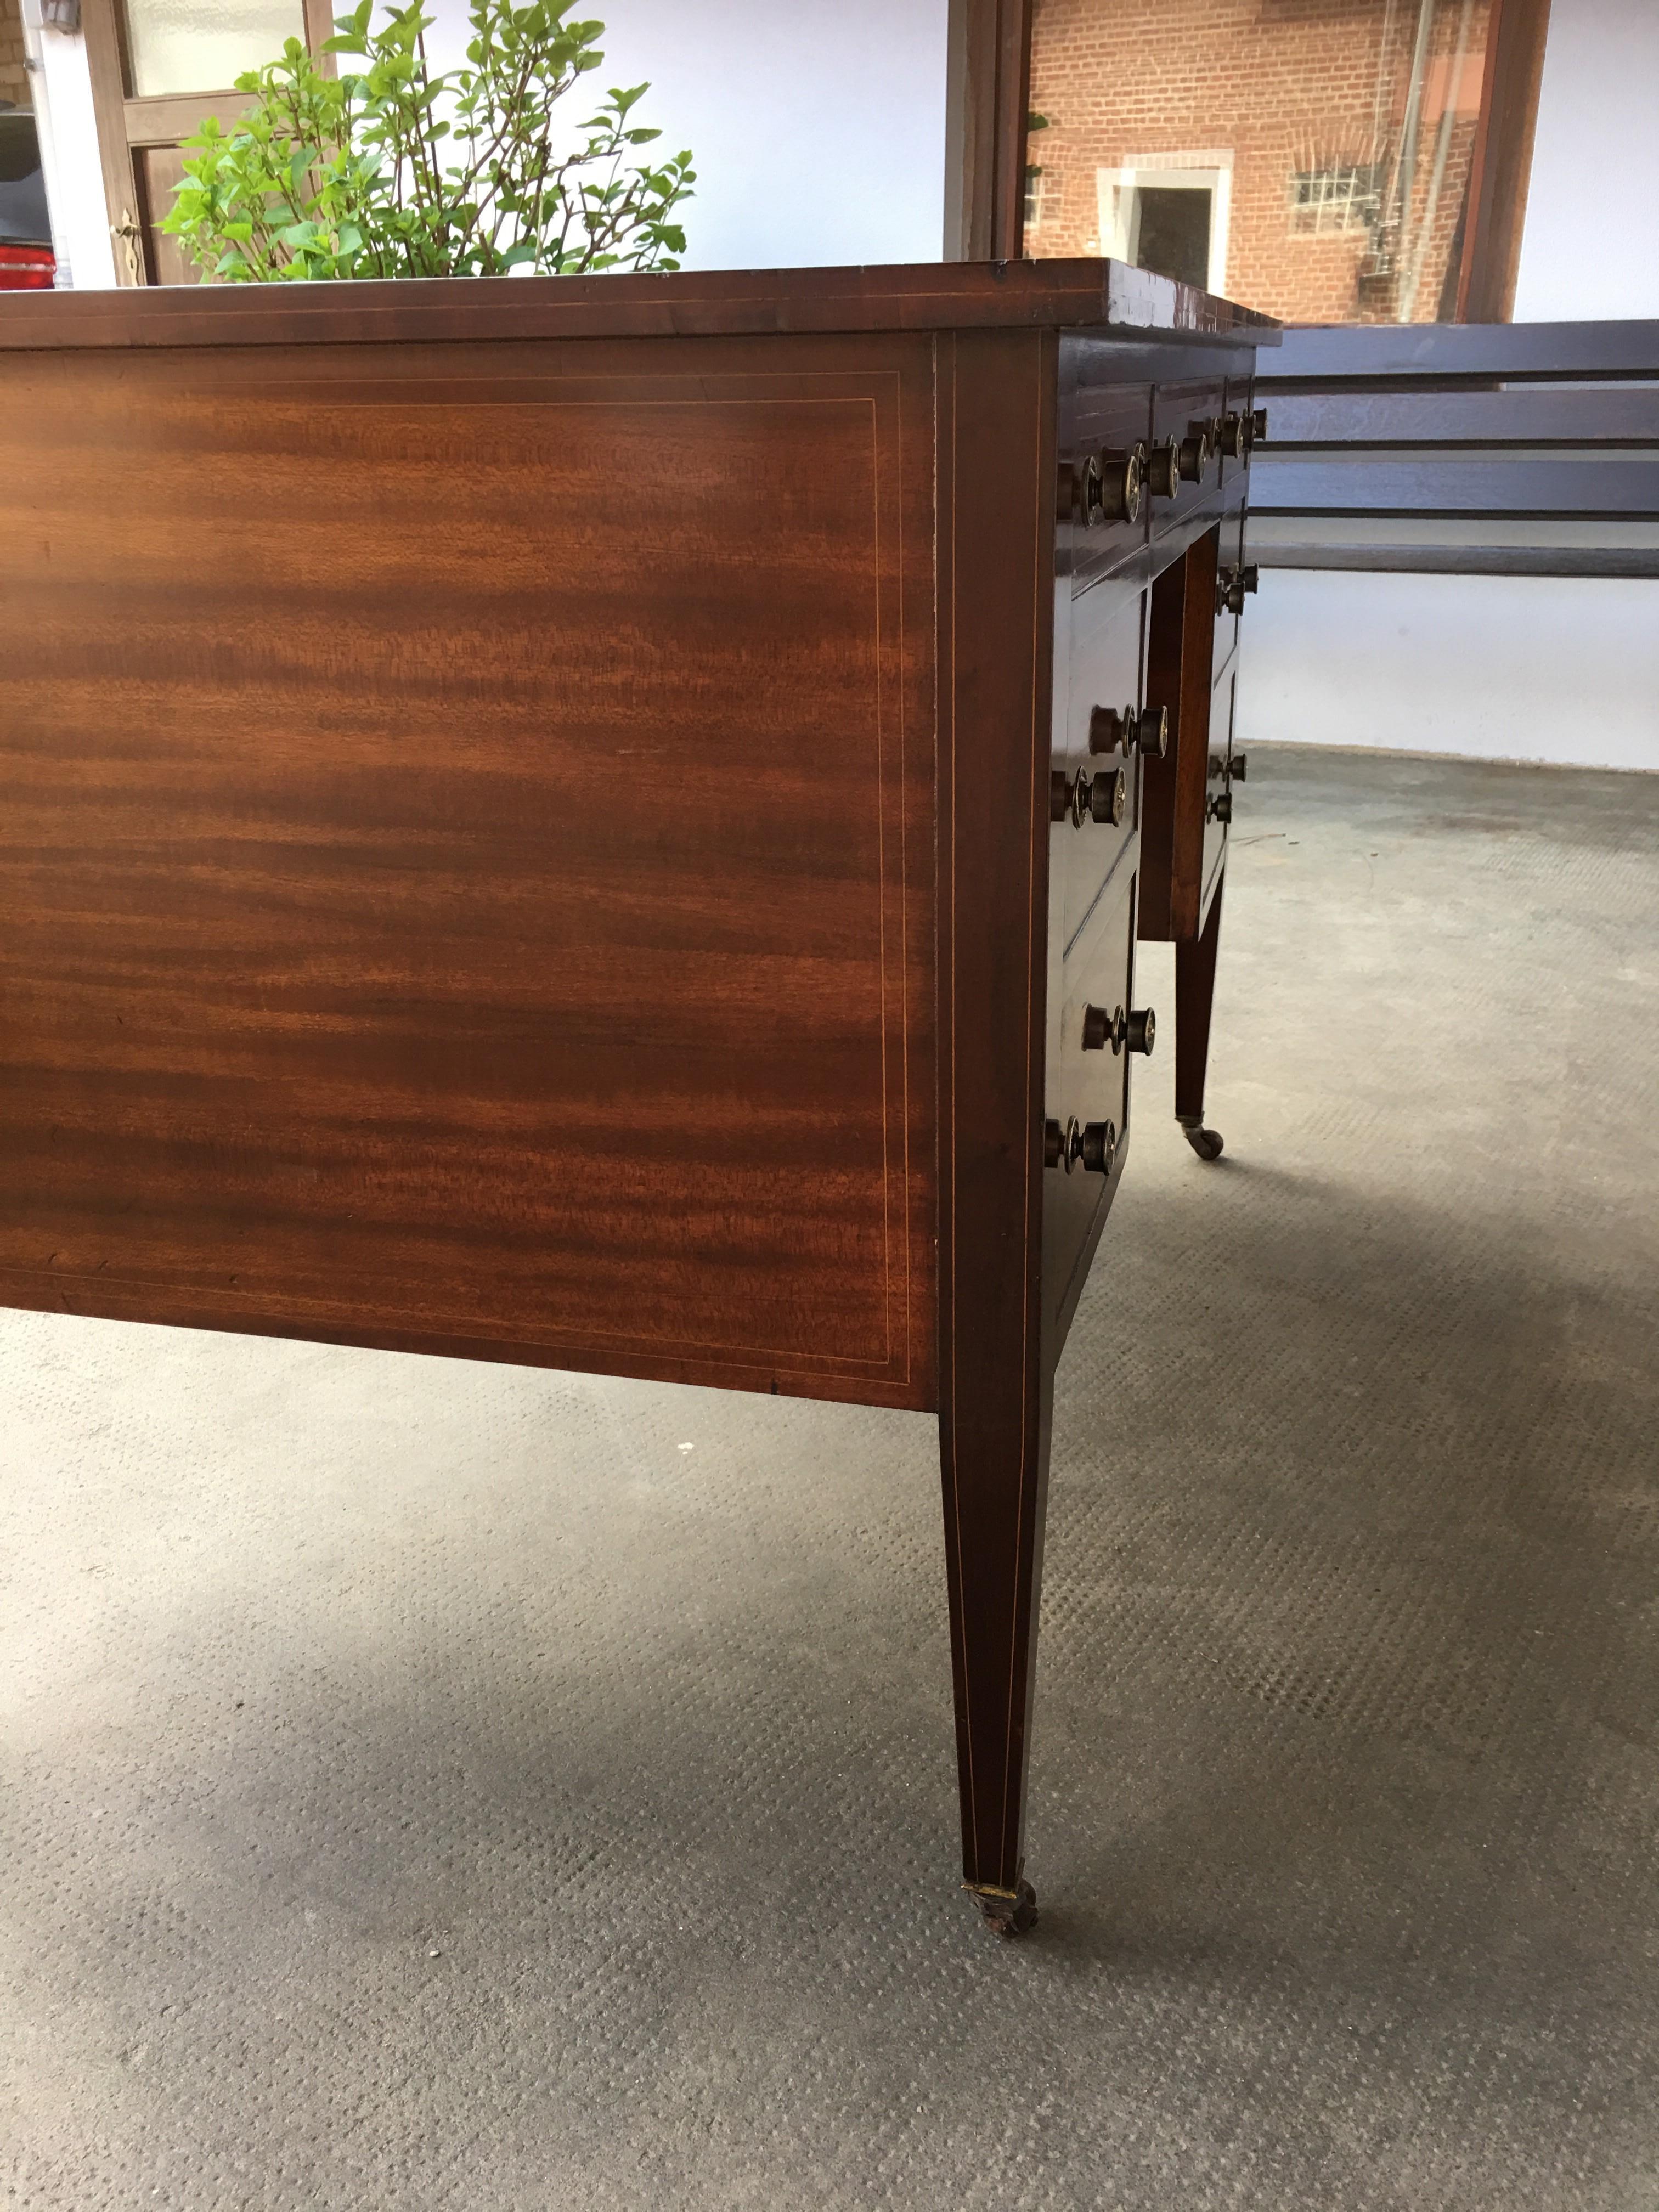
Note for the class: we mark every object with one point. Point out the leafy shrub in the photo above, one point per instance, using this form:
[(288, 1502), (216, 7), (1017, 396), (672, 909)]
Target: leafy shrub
[(387, 170)]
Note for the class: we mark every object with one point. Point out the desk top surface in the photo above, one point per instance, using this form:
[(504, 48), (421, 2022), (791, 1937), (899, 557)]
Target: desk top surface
[(1100, 297)]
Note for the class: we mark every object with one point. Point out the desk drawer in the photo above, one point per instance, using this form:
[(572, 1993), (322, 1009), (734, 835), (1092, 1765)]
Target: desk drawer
[(1184, 417), (1103, 642), (1101, 428), (1230, 555), (1087, 1084)]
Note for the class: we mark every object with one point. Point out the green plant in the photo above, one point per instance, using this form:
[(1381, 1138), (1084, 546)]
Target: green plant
[(388, 170)]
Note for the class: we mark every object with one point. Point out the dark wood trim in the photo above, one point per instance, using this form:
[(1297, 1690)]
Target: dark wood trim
[(1195, 965), (1502, 160), (988, 91), (997, 413), (1013, 106), (961, 134), (923, 296)]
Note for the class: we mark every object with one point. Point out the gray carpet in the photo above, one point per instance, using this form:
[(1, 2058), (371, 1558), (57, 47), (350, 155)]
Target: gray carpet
[(434, 1786)]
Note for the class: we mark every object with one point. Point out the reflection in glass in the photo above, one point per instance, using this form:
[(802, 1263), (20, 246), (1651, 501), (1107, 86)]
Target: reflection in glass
[(204, 46), (1311, 158)]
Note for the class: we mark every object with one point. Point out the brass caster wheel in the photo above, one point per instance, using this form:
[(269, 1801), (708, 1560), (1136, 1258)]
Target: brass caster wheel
[(1206, 1143), (1008, 1913)]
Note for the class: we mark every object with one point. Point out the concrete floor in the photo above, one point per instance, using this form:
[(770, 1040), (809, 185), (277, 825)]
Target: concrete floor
[(432, 1786)]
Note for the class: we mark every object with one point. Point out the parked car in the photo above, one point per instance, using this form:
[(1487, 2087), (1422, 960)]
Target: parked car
[(26, 261)]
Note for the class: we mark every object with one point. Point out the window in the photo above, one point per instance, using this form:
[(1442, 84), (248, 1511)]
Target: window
[(1344, 196), (1375, 157), (1170, 212)]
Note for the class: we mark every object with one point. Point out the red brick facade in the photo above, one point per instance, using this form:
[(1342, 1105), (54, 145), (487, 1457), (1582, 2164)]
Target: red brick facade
[(1275, 91)]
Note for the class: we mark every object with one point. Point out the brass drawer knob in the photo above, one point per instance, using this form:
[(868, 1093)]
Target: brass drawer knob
[(1136, 1028), (1258, 424), (1104, 487), (1233, 585), (1106, 796), (1110, 728), (1237, 767), (1114, 729), (1092, 1144), (1103, 798), (1234, 439), (1164, 470), (1097, 1146), (1100, 1028), (1123, 479), (1079, 491), (1220, 808), (1192, 459)]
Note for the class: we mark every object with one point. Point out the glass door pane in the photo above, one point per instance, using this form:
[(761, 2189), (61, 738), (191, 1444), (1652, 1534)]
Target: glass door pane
[(204, 46)]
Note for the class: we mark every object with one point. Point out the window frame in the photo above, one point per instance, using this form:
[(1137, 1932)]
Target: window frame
[(987, 99)]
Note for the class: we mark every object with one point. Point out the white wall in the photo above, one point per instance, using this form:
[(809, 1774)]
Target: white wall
[(1534, 668), (1525, 667), (818, 125), (1590, 247)]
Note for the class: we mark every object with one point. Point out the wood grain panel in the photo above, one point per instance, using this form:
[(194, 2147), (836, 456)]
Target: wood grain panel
[(466, 857)]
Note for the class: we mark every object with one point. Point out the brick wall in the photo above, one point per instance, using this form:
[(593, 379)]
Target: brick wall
[(1282, 86), (14, 77)]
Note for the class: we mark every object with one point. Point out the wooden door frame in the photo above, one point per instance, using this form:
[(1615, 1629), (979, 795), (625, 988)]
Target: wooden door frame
[(126, 124), (987, 100), (1501, 165), (988, 83)]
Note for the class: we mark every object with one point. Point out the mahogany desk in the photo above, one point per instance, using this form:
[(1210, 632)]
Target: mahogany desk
[(595, 823)]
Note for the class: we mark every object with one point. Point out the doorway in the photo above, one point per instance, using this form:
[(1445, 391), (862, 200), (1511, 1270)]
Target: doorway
[(1169, 212)]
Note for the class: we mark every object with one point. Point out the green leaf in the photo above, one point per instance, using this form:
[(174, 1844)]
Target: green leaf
[(398, 167)]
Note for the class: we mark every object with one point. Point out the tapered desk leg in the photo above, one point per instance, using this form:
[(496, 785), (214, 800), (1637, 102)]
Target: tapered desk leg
[(1194, 1002), (996, 502), (994, 1443)]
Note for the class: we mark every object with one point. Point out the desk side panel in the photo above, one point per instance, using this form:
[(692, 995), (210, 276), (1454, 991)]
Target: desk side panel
[(466, 851)]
